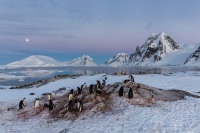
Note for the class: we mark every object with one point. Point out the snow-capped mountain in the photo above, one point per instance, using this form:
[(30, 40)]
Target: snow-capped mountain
[(154, 50), (36, 61), (85, 60), (119, 60), (194, 58)]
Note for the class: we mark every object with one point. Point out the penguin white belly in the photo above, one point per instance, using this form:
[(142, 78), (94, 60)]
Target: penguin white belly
[(78, 105), (37, 103), (49, 97), (70, 97), (24, 102), (53, 95)]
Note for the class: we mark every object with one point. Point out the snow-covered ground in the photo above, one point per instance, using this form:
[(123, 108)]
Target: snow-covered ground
[(178, 117)]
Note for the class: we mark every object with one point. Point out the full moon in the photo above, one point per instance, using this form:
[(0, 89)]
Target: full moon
[(27, 40)]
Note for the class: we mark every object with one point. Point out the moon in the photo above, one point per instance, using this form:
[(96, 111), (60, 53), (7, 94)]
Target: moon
[(27, 40)]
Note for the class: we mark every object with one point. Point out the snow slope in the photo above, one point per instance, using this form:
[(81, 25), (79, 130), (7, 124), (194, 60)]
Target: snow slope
[(85, 60), (36, 61), (179, 116), (193, 59), (119, 60)]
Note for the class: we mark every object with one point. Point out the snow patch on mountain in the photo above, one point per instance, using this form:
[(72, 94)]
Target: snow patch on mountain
[(36, 61), (194, 58), (119, 60), (85, 60)]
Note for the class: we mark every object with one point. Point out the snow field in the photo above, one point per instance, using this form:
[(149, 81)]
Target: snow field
[(165, 117)]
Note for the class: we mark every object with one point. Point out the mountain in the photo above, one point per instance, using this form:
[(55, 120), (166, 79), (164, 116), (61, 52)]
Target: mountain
[(154, 50), (119, 60), (85, 60), (36, 61), (194, 58)]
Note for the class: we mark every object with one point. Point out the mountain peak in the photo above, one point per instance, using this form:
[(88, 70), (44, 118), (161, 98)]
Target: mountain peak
[(156, 46), (35, 61), (119, 60), (85, 60)]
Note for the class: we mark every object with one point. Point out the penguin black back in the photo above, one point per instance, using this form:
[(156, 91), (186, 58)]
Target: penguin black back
[(70, 106), (91, 89), (71, 91), (130, 93), (121, 91), (81, 87), (21, 104), (51, 105), (78, 90)]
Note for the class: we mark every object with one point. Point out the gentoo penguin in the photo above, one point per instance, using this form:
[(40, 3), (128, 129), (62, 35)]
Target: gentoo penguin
[(49, 96), (130, 93), (21, 105), (24, 101), (84, 86), (53, 94), (131, 78), (71, 95), (71, 91), (51, 105), (80, 105), (91, 89), (37, 103), (121, 91), (104, 82), (78, 90), (81, 87)]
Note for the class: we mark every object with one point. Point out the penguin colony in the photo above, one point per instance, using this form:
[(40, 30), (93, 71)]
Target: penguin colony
[(93, 97), (99, 96)]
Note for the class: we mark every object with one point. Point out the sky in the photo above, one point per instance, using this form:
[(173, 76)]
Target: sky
[(68, 29)]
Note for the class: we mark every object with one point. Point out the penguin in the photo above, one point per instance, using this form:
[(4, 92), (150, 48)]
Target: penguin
[(121, 91), (37, 103), (91, 89), (80, 105), (70, 106), (24, 102), (131, 78), (78, 90), (99, 84), (53, 95), (105, 78), (104, 82), (49, 96), (84, 86), (130, 93), (81, 87), (21, 104), (71, 95), (51, 105), (71, 91)]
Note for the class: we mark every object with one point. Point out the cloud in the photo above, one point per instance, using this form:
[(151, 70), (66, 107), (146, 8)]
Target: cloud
[(148, 26)]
